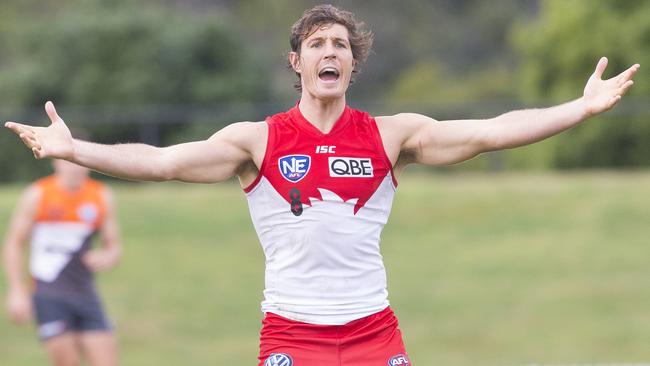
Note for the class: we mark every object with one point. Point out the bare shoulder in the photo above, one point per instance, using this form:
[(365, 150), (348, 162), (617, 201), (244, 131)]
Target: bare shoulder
[(402, 124), (32, 193), (249, 138), (245, 135), (395, 130), (29, 198), (404, 119), (243, 131)]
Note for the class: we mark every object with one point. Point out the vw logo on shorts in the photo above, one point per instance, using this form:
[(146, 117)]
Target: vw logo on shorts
[(278, 359)]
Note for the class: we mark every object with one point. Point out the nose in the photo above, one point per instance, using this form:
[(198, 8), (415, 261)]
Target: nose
[(330, 50)]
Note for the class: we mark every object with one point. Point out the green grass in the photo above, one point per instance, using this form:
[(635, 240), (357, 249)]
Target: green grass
[(483, 270)]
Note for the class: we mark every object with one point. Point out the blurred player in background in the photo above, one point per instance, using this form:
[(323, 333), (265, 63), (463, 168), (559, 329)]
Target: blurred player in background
[(60, 215), (320, 180)]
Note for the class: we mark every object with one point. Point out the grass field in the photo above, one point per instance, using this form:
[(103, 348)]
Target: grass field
[(483, 270)]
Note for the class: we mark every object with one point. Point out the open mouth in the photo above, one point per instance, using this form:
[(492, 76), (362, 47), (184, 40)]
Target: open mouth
[(328, 74)]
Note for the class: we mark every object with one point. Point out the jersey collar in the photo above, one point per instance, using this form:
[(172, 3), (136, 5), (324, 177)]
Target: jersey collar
[(304, 124)]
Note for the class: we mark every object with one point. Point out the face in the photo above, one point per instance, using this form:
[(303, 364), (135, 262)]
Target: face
[(325, 62)]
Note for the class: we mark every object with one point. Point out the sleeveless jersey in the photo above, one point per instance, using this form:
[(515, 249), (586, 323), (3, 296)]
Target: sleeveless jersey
[(64, 226), (319, 205)]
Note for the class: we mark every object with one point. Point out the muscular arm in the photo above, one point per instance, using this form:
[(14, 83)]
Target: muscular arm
[(222, 156), (234, 150), (449, 142), (18, 303), (423, 140)]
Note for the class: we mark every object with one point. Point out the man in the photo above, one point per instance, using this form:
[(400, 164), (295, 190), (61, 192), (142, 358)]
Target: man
[(61, 214), (320, 180)]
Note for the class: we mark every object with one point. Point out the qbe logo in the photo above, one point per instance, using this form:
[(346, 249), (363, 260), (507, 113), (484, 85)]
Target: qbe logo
[(278, 359), (294, 167), (350, 167), (398, 360)]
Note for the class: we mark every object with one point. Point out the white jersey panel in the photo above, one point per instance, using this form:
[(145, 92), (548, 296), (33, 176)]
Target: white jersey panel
[(53, 245), (324, 266)]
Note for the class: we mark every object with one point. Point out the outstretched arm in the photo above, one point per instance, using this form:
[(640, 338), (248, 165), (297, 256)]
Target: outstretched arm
[(227, 153), (427, 141)]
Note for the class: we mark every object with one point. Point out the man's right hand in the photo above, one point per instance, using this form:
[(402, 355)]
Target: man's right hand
[(19, 307), (54, 141)]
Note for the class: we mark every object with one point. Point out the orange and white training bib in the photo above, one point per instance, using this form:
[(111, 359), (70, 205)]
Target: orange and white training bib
[(64, 226)]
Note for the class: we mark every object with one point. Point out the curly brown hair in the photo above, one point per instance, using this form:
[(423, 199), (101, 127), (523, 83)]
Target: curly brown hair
[(311, 20)]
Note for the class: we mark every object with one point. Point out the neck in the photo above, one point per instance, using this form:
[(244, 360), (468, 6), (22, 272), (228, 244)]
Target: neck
[(323, 114), (69, 185)]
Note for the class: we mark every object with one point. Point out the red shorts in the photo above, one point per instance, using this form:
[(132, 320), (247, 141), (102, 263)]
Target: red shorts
[(371, 341)]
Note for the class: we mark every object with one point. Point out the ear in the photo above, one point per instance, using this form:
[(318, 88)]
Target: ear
[(294, 60)]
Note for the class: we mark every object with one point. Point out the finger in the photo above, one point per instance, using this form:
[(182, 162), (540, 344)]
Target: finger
[(632, 70), (625, 87), (627, 74), (23, 318), (51, 112), (88, 262), (34, 142), (17, 127), (24, 130), (29, 140), (94, 267), (30, 132), (38, 153), (20, 316), (613, 101), (26, 140), (23, 134), (600, 67)]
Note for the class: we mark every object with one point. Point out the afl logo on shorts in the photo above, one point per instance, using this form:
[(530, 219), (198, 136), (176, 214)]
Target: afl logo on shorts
[(399, 360), (278, 359), (294, 167), (87, 212)]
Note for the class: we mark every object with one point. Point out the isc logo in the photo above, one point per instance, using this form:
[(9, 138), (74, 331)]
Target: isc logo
[(398, 360), (294, 167), (350, 167), (325, 149)]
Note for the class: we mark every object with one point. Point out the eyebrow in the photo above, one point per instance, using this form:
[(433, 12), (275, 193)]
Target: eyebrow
[(344, 40)]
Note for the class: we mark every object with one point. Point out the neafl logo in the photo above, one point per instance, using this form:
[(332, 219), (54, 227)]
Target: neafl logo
[(398, 360), (294, 167)]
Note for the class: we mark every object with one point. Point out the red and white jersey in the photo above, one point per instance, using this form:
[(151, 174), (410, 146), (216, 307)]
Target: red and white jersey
[(319, 205)]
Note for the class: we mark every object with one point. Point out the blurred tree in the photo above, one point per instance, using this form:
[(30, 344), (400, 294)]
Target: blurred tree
[(558, 53), (117, 56), (455, 62), (116, 52), (152, 60), (461, 36)]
